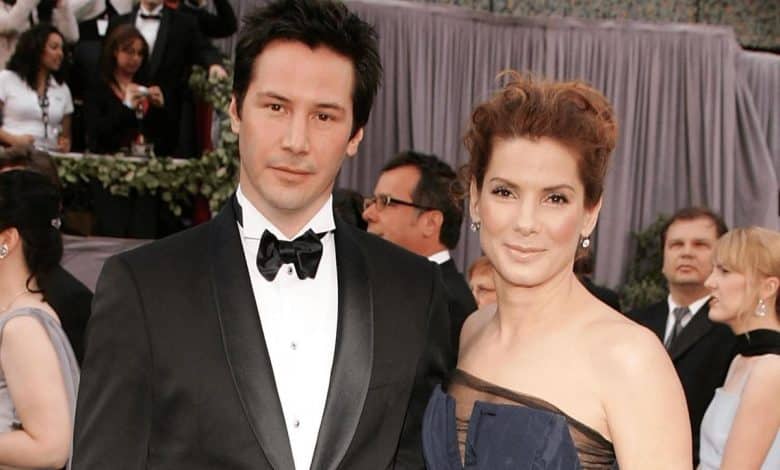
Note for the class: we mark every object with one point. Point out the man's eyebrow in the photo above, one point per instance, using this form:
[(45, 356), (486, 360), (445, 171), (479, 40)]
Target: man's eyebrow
[(271, 94), (333, 106)]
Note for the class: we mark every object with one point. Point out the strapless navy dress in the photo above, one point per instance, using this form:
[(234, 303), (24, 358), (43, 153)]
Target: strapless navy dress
[(473, 424)]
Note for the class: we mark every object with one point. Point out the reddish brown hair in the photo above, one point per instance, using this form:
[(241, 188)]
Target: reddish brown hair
[(572, 113)]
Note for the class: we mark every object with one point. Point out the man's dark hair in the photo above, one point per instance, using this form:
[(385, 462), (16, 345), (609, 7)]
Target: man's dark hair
[(438, 187), (314, 23), (26, 59), (348, 204), (691, 213)]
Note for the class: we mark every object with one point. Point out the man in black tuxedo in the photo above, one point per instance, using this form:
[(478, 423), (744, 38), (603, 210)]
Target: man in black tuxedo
[(275, 335), (176, 43), (417, 205), (700, 349)]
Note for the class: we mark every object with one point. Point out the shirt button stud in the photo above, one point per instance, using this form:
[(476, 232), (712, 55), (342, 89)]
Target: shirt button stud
[(296, 424), (289, 270), (293, 346)]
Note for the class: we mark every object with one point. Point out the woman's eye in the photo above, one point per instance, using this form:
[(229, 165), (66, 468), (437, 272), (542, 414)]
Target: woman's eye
[(275, 107), (501, 191), (557, 199), (323, 117)]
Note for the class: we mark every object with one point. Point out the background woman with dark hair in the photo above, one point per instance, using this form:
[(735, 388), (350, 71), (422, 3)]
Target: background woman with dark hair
[(36, 104), (15, 16), (38, 371), (120, 108)]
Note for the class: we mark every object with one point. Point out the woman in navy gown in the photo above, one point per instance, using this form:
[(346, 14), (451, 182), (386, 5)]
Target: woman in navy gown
[(550, 377)]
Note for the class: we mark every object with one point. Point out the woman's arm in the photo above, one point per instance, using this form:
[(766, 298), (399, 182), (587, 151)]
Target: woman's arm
[(758, 417), (644, 402), (64, 139), (15, 19), (65, 21), (37, 390)]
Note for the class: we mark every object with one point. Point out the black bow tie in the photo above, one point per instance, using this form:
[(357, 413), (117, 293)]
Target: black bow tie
[(304, 253), (144, 16)]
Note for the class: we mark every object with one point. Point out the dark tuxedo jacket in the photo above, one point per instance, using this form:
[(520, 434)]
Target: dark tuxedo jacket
[(220, 25), (701, 355), (462, 303), (177, 374), (178, 46), (72, 301)]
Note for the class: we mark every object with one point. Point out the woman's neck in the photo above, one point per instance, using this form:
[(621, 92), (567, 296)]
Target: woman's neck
[(13, 287), (752, 322), (530, 310), (122, 79), (43, 78)]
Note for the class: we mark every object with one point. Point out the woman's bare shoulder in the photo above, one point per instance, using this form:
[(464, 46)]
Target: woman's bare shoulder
[(621, 348)]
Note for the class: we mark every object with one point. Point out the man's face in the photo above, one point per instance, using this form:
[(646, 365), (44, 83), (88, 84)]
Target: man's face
[(294, 128), (397, 223), (688, 251)]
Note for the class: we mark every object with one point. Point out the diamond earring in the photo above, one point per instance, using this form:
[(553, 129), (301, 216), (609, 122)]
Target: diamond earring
[(475, 226), (585, 242), (761, 308), (3, 251)]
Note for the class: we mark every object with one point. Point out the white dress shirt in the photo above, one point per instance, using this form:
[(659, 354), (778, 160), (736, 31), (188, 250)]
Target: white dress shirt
[(299, 319), (147, 27), (694, 307), (440, 257)]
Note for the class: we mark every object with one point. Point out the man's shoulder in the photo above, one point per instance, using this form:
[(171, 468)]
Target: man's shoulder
[(179, 247), (642, 313), (183, 18), (383, 254)]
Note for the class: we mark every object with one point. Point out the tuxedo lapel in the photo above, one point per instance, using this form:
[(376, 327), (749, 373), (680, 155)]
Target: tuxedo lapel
[(353, 357), (160, 42), (242, 336), (692, 333)]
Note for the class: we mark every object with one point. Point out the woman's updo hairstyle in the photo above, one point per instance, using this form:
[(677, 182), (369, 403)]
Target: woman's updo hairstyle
[(572, 113), (30, 203)]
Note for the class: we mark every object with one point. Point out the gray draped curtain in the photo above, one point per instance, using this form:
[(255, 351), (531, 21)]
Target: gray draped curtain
[(698, 116)]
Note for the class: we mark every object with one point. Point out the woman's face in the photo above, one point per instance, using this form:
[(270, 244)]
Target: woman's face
[(532, 211), (130, 56), (51, 59), (728, 289)]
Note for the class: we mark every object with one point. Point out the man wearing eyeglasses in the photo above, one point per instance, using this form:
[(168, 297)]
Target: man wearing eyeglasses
[(417, 205)]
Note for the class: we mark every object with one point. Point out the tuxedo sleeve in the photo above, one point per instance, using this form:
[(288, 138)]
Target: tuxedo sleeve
[(433, 368), (114, 408), (206, 54)]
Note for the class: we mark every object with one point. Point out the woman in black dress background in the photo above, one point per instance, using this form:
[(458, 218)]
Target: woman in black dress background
[(119, 108)]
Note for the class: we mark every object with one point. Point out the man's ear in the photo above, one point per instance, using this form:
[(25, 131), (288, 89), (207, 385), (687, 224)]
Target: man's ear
[(235, 119), (432, 223), (591, 217), (354, 143)]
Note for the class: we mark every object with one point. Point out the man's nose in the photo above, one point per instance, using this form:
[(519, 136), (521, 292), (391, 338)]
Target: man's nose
[(296, 139)]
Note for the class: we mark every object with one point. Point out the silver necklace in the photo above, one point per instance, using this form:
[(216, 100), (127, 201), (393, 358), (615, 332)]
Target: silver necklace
[(13, 299)]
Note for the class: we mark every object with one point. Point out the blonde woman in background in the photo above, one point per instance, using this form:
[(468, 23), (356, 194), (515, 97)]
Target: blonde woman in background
[(740, 428)]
